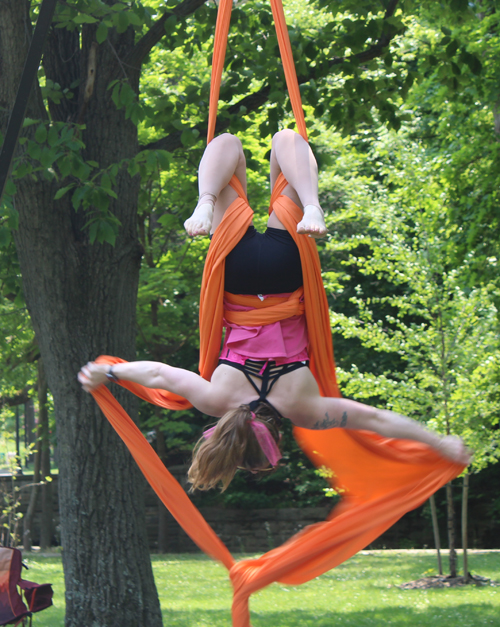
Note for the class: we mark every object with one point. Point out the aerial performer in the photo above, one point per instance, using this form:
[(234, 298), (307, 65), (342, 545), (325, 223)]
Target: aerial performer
[(274, 362), (263, 374)]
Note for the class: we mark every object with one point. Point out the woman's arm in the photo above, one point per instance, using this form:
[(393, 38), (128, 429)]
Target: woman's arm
[(153, 374), (327, 413)]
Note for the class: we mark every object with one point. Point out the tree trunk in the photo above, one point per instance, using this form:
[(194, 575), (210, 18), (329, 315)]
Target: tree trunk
[(435, 528), (465, 500), (81, 299), (451, 530)]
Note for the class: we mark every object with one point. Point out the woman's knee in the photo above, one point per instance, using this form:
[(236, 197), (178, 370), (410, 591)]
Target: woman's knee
[(228, 141), (286, 136)]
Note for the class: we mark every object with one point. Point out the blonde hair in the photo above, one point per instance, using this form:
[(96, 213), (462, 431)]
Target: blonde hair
[(232, 445)]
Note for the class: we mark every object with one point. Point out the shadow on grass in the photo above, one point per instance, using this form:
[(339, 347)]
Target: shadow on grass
[(51, 617), (466, 615)]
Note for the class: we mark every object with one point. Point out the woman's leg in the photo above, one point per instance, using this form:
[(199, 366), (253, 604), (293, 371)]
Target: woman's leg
[(222, 158), (292, 155)]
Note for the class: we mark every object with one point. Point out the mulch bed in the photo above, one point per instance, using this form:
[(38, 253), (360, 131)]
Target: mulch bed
[(443, 581)]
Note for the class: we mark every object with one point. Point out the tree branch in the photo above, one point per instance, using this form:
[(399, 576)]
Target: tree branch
[(20, 398), (157, 31)]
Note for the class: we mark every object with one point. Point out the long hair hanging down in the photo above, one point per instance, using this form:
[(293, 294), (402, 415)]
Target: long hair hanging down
[(232, 445)]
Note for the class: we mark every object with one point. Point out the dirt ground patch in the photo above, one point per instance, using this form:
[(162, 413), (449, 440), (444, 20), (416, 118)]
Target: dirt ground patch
[(443, 581)]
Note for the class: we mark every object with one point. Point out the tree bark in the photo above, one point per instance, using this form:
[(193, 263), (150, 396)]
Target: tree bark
[(435, 528), (451, 530), (81, 299)]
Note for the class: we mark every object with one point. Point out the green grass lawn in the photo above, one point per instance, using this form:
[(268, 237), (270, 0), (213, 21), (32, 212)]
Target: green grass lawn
[(195, 592)]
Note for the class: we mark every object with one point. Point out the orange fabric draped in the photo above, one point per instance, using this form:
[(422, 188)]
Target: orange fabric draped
[(380, 478), (265, 311)]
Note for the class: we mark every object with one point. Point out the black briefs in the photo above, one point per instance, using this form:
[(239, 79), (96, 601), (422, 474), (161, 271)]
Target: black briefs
[(268, 372), (263, 263)]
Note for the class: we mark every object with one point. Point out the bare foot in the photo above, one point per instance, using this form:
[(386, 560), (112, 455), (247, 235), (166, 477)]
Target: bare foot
[(200, 222), (313, 222)]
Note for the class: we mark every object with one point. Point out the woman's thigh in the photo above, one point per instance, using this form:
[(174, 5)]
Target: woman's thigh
[(227, 194)]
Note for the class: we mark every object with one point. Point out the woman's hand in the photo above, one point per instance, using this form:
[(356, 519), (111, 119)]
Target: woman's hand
[(453, 448), (92, 375)]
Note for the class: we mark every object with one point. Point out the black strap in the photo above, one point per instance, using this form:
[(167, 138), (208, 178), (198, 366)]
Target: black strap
[(268, 371), (31, 66)]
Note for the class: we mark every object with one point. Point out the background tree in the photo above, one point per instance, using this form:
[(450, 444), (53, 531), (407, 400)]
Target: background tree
[(445, 334)]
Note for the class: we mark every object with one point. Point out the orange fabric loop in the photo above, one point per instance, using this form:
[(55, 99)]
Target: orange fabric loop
[(218, 57), (266, 311), (248, 300)]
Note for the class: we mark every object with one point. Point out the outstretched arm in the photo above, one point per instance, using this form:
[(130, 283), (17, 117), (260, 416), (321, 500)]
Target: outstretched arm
[(311, 411), (338, 412), (155, 375)]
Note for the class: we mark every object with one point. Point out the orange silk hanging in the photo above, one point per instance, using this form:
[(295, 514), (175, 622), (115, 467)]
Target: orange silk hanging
[(381, 479)]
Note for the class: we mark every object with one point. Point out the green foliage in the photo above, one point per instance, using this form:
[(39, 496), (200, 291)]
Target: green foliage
[(444, 333)]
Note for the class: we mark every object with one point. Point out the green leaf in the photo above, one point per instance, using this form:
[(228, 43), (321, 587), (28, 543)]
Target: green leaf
[(121, 21), (106, 181), (22, 170), (34, 150), (106, 233), (164, 159), (60, 192), (189, 137), (170, 24), (101, 33), (64, 165), (474, 64), (93, 228), (134, 19), (451, 48), (115, 95), (82, 18), (47, 156), (53, 136), (41, 134), (77, 197), (5, 236), (133, 168), (13, 220)]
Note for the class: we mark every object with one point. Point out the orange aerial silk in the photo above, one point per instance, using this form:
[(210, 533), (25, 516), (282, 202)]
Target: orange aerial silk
[(380, 478)]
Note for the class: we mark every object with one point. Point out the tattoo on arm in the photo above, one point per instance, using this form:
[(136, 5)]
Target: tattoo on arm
[(330, 423), (343, 422)]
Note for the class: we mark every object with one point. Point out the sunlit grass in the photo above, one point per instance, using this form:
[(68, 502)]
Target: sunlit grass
[(195, 592)]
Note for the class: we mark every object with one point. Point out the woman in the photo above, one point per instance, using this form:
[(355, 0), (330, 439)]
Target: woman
[(263, 372)]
